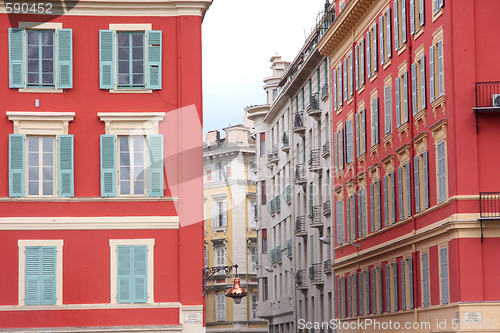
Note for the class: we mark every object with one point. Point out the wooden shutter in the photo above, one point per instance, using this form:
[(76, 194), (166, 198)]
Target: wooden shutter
[(425, 279), (32, 275), (382, 41), (444, 275), (396, 26), (432, 72), (363, 129), (403, 285), (355, 294), (360, 291), (356, 64), (344, 299), (362, 61), (358, 124), (441, 172), (422, 80), (106, 59), (346, 79), (348, 217), (48, 276), (140, 279), (403, 22), (108, 166), (341, 149), (422, 12), (374, 291), (386, 202), (360, 216), (334, 89), (398, 101), (349, 292), (124, 264), (376, 121), (340, 221), (405, 92), (412, 17), (388, 287), (363, 209), (408, 187), (339, 299), (341, 86), (387, 95), (380, 299), (349, 141), (368, 55), (426, 179), (353, 210), (16, 165), (414, 88), (336, 144), (417, 183), (440, 66), (400, 193), (375, 64), (379, 210), (393, 198), (388, 22), (16, 58), (351, 81), (153, 56), (410, 279), (372, 210), (395, 282), (367, 291), (66, 165), (64, 58)]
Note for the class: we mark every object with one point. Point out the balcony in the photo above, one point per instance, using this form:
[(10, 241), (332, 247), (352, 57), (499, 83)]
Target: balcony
[(313, 110), (326, 149), (300, 279), (316, 217), (285, 142), (327, 208), (264, 309), (489, 207), (289, 248), (316, 273), (300, 174), (255, 212), (327, 266), (300, 226), (287, 194), (324, 91), (298, 123), (277, 203), (271, 207), (315, 161), (253, 164), (275, 255), (272, 156), (487, 98)]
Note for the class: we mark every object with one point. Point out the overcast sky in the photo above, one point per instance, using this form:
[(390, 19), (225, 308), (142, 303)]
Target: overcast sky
[(239, 38)]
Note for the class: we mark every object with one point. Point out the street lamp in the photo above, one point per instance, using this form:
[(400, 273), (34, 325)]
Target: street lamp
[(236, 293), (326, 240)]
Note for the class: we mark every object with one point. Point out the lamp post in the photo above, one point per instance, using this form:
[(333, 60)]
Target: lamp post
[(326, 240), (236, 293)]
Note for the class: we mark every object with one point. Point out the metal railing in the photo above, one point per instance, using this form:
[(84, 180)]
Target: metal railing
[(485, 92), (489, 204), (316, 272), (285, 139), (316, 215), (301, 278), (327, 207), (275, 255), (253, 163), (277, 203), (315, 161), (287, 193), (255, 212), (314, 101), (298, 121), (288, 248), (272, 154), (324, 90), (300, 173), (326, 148), (327, 266), (300, 224), (271, 207)]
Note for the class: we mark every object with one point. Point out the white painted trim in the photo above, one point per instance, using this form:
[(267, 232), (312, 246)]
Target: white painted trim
[(88, 199), (131, 123), (39, 25), (38, 91), (167, 305), (89, 223), (113, 243), (40, 123), (131, 91), (22, 244), (131, 26)]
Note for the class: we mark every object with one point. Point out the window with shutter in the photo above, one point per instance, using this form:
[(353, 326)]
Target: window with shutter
[(372, 208), (388, 32), (367, 290), (403, 284), (221, 307), (382, 40), (363, 211), (380, 307), (374, 292), (388, 287), (400, 193), (388, 109), (356, 65), (368, 54), (361, 295), (346, 79), (386, 201), (443, 252), (340, 86), (362, 61), (339, 210), (396, 25), (416, 170), (374, 50), (393, 198), (355, 294), (425, 280), (426, 179), (395, 286), (40, 275), (348, 218), (351, 75), (132, 270), (410, 279), (441, 172), (349, 299), (407, 189), (378, 205)]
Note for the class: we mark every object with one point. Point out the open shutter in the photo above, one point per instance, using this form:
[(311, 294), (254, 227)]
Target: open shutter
[(32, 275), (339, 297), (367, 290), (382, 41), (432, 72), (405, 92), (140, 278), (387, 110), (422, 13), (412, 17), (408, 187), (66, 165), (155, 174), (403, 22), (108, 166), (375, 64), (386, 202), (358, 124), (224, 214), (353, 211), (346, 79), (362, 61), (348, 218), (441, 172), (106, 59), (341, 148), (355, 294), (356, 65), (380, 299), (336, 144), (348, 140), (426, 179), (388, 22), (363, 129), (414, 88), (341, 86), (344, 299), (124, 265), (368, 55), (410, 279), (154, 38), (214, 214), (48, 276), (388, 287), (376, 121), (444, 275), (400, 193), (374, 292), (335, 89), (440, 67), (425, 279), (372, 210), (16, 165), (64, 58), (395, 283), (393, 198), (360, 291), (340, 222), (422, 80), (351, 81), (398, 101), (403, 285), (349, 292), (396, 26), (379, 210), (363, 209), (417, 183), (360, 217), (16, 58)]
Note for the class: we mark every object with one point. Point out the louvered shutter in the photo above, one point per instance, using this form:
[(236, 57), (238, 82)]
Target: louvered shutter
[(412, 17), (440, 67), (425, 279), (414, 88), (436, 8), (386, 202), (32, 274), (363, 129), (16, 165), (106, 59), (393, 198), (444, 275), (339, 299), (64, 58), (214, 214), (356, 64), (341, 86), (348, 139), (66, 165), (353, 211), (382, 41), (349, 292), (396, 26), (422, 80), (155, 175), (124, 263), (362, 61), (388, 287), (375, 63), (48, 277), (388, 21), (368, 55), (348, 219), (441, 172), (340, 221), (410, 279), (398, 101), (416, 176), (403, 285), (408, 187), (403, 22), (16, 58), (344, 299), (400, 193), (351, 81), (426, 179), (355, 294), (360, 218), (431, 73), (388, 111), (405, 92), (140, 273), (346, 78), (377, 135), (374, 292), (379, 209), (422, 13), (395, 283), (154, 57), (224, 213), (372, 206), (358, 124), (380, 299), (336, 144), (341, 148), (108, 166), (360, 291), (363, 209), (367, 290), (335, 89)]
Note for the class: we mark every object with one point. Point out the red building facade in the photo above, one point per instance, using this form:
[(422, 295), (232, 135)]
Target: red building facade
[(414, 84), (101, 198)]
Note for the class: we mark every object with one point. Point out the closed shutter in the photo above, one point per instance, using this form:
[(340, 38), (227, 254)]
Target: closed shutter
[(356, 64), (403, 285), (348, 219), (360, 295), (388, 23), (426, 179), (334, 89), (66, 165), (355, 294), (396, 26), (388, 287), (214, 214), (408, 187), (412, 17), (393, 198), (108, 166), (32, 275), (140, 280), (16, 165), (414, 88), (374, 291), (358, 124), (344, 299), (154, 55), (400, 193), (64, 58), (375, 63), (376, 121), (368, 55), (339, 299), (417, 183), (425, 279), (349, 299), (353, 210), (405, 92), (431, 73), (106, 59), (398, 101), (386, 202), (351, 81), (395, 282), (340, 221), (348, 139), (360, 212), (367, 290), (403, 22), (440, 66), (336, 144), (341, 86), (363, 209), (422, 13), (48, 276), (341, 148), (379, 208), (382, 41), (372, 210), (410, 279), (224, 213), (124, 263), (16, 58), (422, 80), (444, 275), (346, 79), (155, 176), (363, 129), (362, 62), (380, 299), (387, 95), (441, 172)]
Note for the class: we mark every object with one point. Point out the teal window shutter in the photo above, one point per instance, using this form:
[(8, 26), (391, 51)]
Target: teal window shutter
[(48, 278), (108, 166), (124, 265), (32, 275), (154, 38), (64, 58), (66, 165), (441, 172), (106, 59), (155, 174), (425, 280), (16, 165), (140, 280), (16, 58), (40, 275)]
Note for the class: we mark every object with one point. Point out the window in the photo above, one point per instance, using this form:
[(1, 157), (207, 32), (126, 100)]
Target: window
[(138, 59), (374, 121), (348, 77), (132, 265), (367, 292), (265, 290), (418, 84), (253, 259), (219, 214), (421, 175), (338, 138), (221, 306), (40, 275), (264, 240), (401, 86), (385, 36), (425, 280), (407, 291), (220, 256), (339, 209), (361, 282), (351, 217), (404, 193), (209, 175), (262, 144), (371, 52), (359, 60), (361, 132), (206, 255), (436, 68), (251, 213), (362, 223), (389, 199), (399, 24), (443, 273), (254, 307), (437, 6), (441, 171), (349, 141), (338, 87), (395, 290), (263, 192), (417, 17), (131, 166), (375, 210), (388, 108), (33, 54), (45, 161)]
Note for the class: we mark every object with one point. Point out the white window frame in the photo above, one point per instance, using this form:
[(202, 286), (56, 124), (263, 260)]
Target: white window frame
[(132, 176), (220, 314), (113, 243)]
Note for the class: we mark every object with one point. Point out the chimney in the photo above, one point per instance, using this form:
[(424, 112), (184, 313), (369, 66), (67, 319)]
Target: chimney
[(212, 137)]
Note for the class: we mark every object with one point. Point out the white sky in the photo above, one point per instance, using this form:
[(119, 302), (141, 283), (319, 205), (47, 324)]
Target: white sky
[(239, 38)]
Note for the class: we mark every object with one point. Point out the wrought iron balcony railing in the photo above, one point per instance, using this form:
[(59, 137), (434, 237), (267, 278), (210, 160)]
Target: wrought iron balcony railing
[(285, 140), (275, 255), (489, 205), (271, 207), (289, 248), (326, 149), (253, 163), (277, 203), (316, 216), (327, 266), (315, 161), (327, 207), (488, 94), (272, 154), (287, 194), (255, 212), (301, 278), (298, 122), (314, 101), (324, 90), (316, 272), (300, 224), (300, 174)]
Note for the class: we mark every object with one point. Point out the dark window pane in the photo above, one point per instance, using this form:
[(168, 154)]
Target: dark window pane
[(125, 187), (47, 52), (47, 38), (33, 78), (47, 79), (123, 67), (48, 188), (123, 79), (123, 39), (33, 188), (33, 37), (33, 52), (47, 66), (137, 53), (138, 67), (33, 66), (123, 53), (137, 39), (138, 79)]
